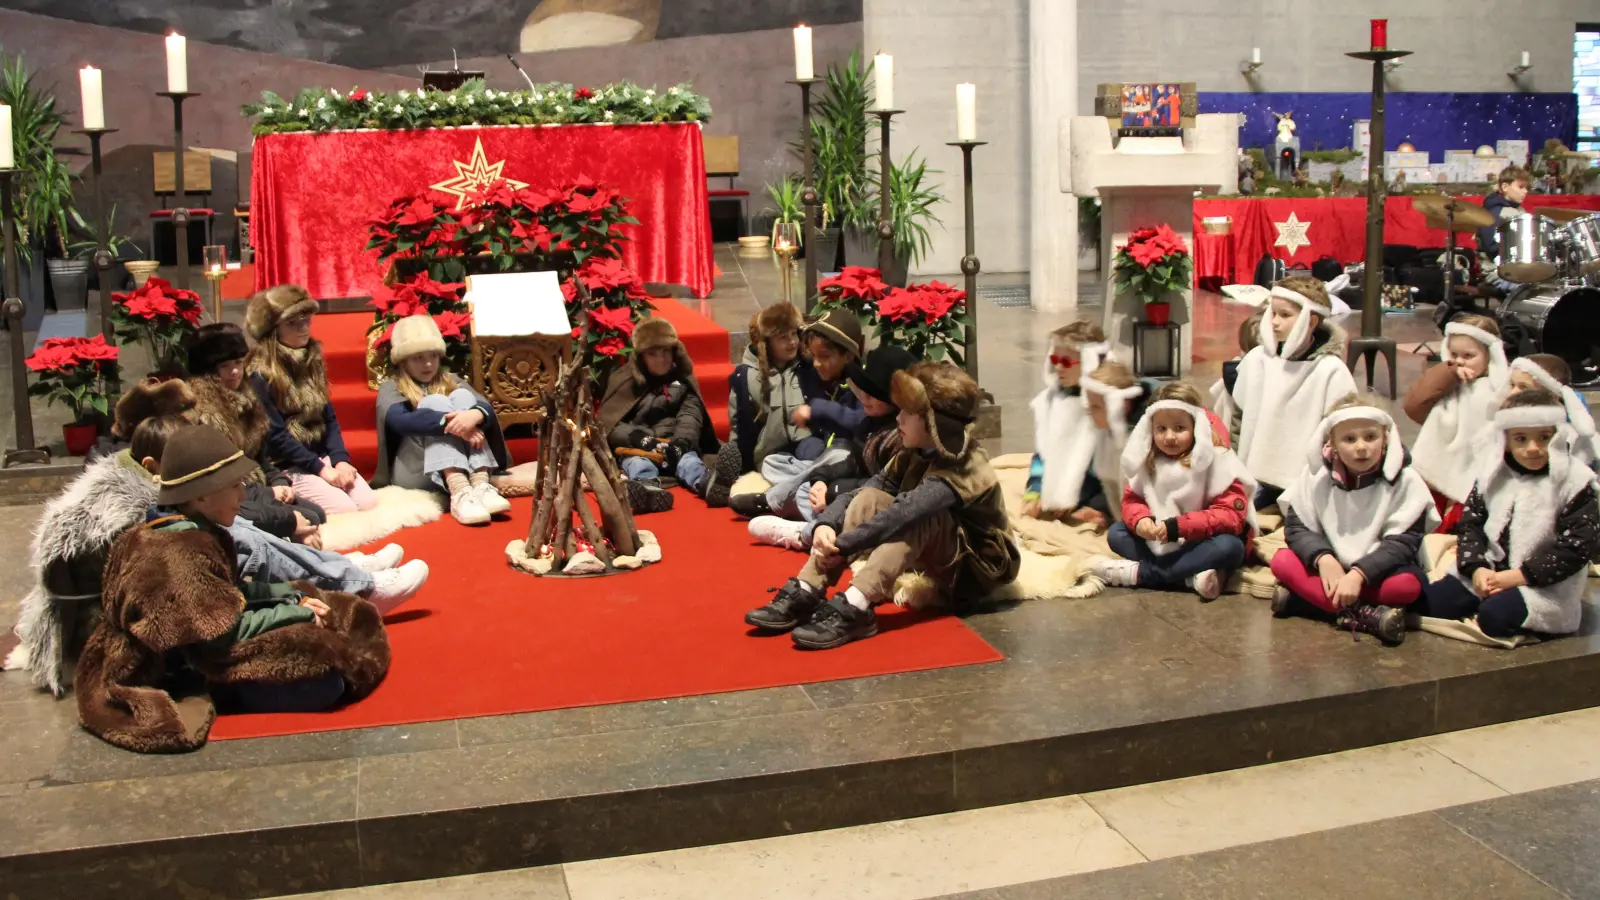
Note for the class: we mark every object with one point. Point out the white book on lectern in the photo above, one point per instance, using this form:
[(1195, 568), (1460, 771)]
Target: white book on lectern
[(514, 304)]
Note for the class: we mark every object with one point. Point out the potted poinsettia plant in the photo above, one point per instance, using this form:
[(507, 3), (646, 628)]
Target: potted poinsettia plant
[(421, 296), (1154, 264), (607, 296), (80, 373), (929, 320), (159, 316)]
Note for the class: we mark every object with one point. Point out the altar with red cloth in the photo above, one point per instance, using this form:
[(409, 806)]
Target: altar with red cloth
[(1301, 230), (312, 195)]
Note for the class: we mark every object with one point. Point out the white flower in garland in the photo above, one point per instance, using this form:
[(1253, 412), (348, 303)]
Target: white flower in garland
[(608, 115), (516, 101), (404, 94), (650, 92), (557, 110), (335, 93), (489, 93), (433, 107), (469, 101), (451, 100), (304, 111), (399, 108), (322, 103)]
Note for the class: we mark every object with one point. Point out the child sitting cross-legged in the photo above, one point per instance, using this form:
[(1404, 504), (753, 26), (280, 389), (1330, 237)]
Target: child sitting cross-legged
[(1186, 512), (1090, 453), (435, 433), (764, 392), (1551, 372), (1354, 523), (1527, 531), (1061, 480), (1454, 403), (651, 409), (930, 527)]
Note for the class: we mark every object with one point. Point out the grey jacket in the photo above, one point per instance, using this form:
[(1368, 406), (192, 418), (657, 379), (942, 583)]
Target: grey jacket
[(775, 433)]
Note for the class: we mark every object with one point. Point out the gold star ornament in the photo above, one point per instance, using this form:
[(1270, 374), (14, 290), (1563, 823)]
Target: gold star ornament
[(474, 177)]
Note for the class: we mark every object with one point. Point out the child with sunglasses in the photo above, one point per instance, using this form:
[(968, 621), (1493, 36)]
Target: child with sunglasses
[(1061, 480)]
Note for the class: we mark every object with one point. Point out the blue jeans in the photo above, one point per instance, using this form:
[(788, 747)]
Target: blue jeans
[(1223, 552), (269, 558), (1499, 615), (691, 469)]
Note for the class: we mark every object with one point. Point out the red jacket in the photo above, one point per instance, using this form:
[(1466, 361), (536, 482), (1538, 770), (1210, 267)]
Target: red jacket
[(1227, 512)]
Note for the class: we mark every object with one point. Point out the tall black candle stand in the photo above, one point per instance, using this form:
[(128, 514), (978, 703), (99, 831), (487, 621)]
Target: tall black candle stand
[(969, 263), (25, 451), (808, 191), (103, 257), (885, 191), (1371, 343), (180, 212)]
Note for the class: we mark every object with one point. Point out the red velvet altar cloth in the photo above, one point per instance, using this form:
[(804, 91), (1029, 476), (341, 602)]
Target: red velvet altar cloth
[(1338, 228), (312, 195)]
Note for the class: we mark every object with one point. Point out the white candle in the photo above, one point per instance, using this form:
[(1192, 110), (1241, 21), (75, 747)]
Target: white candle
[(7, 161), (1525, 62), (803, 70), (883, 71), (94, 104), (1255, 55), (177, 64), (966, 112)]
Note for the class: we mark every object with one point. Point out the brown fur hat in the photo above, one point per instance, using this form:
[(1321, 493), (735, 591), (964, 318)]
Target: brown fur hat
[(947, 399), (653, 334), (772, 320), (147, 399), (273, 305)]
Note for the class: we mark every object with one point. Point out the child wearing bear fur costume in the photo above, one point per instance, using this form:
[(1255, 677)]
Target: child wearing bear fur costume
[(1186, 512), (1527, 531), (1454, 403), (1354, 523), (1287, 383)]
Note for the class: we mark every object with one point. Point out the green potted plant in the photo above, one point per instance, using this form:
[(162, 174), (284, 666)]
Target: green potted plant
[(786, 207), (44, 191), (80, 373), (120, 246), (911, 203), (839, 151), (1154, 264)]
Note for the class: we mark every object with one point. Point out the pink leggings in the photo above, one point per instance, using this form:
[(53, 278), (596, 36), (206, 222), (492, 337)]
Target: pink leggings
[(1399, 589), (333, 500)]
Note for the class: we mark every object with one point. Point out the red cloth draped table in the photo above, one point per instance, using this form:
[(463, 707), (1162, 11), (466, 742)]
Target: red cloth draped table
[(312, 195), (1213, 255), (1302, 230)]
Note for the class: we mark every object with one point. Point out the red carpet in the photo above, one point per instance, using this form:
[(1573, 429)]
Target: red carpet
[(344, 346), (482, 639)]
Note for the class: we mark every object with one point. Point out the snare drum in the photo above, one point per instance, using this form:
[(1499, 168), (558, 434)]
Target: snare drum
[(1584, 237), (1527, 249)]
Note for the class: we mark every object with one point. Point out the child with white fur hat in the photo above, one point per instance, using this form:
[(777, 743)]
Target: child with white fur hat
[(1354, 523), (434, 432), (1186, 512), (1527, 531), (1454, 403), (1287, 383)]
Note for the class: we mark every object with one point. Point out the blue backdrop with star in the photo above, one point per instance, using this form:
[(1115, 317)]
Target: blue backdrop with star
[(1431, 122)]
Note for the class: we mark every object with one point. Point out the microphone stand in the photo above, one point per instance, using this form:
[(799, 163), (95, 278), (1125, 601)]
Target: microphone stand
[(513, 61)]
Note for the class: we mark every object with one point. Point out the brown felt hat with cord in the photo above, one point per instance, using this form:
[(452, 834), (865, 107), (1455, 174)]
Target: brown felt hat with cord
[(197, 461)]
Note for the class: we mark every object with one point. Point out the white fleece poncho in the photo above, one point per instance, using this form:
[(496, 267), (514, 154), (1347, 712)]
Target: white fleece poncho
[(1355, 522), (1283, 399), (1065, 437), (1446, 452), (1177, 487)]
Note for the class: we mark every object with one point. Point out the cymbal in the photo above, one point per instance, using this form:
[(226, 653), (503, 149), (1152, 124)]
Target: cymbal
[(1527, 273), (1562, 215), (1438, 209)]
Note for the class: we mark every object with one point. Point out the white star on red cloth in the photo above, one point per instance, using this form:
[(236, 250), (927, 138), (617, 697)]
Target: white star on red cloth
[(1292, 234)]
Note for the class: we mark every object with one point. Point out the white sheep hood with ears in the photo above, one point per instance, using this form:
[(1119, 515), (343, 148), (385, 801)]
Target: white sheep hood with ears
[(1584, 445), (1447, 449), (1355, 522), (1175, 488)]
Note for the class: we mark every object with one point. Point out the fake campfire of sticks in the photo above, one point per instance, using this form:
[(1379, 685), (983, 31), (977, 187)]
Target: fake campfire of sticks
[(603, 539)]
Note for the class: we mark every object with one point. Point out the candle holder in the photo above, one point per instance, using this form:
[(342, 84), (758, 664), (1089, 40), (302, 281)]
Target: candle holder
[(1371, 343), (808, 191), (786, 244), (885, 189), (180, 212), (216, 266), (969, 263), (25, 451), (103, 258)]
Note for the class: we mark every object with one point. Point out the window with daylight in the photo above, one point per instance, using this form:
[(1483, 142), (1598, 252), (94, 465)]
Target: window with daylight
[(1586, 84)]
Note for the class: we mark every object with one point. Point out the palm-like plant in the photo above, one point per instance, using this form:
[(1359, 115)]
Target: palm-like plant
[(839, 143), (44, 192), (911, 203), (786, 204)]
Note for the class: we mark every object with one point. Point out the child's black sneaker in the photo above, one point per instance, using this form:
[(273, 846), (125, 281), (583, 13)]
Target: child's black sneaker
[(646, 495), (1386, 623), (835, 624), (750, 505), (728, 468), (794, 604)]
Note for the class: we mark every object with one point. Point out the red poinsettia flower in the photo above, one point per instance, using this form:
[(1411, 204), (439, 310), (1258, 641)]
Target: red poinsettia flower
[(453, 324), (604, 273), (856, 282), (569, 291), (611, 346), (498, 194), (388, 333), (358, 94), (582, 183), (613, 318), (897, 304), (534, 233), (577, 333), (418, 212), (95, 349), (424, 286), (58, 354), (583, 93), (591, 204), (403, 302), (157, 298)]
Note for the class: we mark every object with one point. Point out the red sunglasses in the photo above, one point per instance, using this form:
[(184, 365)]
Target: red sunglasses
[(1067, 361)]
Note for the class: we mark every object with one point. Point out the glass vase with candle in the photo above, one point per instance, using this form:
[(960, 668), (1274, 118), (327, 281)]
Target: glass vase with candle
[(215, 259), (785, 243)]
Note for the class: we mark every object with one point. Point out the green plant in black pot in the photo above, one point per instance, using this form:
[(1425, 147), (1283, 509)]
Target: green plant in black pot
[(911, 203), (119, 245), (839, 152), (43, 198)]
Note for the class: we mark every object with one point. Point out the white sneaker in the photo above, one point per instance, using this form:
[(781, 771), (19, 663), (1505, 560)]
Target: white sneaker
[(1115, 572), (493, 503), (467, 508), (1208, 584), (387, 558), (779, 532), (392, 587)]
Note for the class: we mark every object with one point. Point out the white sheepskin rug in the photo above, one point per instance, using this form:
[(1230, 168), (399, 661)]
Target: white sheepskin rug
[(397, 508)]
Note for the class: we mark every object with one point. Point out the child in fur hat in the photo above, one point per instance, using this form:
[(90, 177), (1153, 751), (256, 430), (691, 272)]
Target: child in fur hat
[(652, 405), (224, 401), (434, 432), (287, 373), (831, 413), (930, 527), (1354, 523), (1454, 403), (1186, 512), (1528, 529), (876, 441), (763, 395), (1551, 372), (1287, 383)]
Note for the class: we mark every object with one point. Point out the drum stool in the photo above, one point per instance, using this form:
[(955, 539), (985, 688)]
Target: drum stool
[(1369, 348)]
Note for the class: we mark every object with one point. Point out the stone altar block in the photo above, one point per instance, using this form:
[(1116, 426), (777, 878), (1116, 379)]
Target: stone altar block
[(1142, 182)]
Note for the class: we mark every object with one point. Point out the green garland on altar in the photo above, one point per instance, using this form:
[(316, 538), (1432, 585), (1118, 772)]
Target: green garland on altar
[(325, 109)]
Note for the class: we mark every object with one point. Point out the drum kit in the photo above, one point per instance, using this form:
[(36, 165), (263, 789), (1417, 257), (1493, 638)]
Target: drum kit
[(1552, 256)]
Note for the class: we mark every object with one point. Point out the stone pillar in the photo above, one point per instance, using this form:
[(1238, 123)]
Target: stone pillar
[(1053, 97)]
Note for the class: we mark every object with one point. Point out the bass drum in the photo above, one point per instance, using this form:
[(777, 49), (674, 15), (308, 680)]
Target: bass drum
[(1559, 319)]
